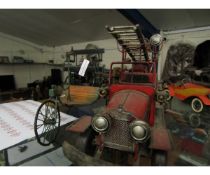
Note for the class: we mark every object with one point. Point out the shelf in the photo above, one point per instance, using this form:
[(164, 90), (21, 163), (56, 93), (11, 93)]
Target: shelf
[(32, 64), (86, 51)]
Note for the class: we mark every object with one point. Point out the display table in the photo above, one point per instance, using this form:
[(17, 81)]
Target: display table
[(17, 122)]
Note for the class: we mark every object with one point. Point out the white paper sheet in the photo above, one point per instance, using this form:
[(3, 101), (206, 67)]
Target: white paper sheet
[(17, 122)]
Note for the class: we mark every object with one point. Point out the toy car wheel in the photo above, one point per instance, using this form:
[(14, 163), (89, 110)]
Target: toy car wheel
[(186, 80), (159, 158), (167, 94), (103, 92), (165, 85), (194, 120), (197, 105)]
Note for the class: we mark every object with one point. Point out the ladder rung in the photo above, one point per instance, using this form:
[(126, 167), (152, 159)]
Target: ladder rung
[(122, 31), (134, 47), (131, 43), (130, 38), (122, 27), (127, 38), (127, 34)]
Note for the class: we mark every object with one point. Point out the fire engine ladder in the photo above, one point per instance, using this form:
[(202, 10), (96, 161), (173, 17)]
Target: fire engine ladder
[(132, 41)]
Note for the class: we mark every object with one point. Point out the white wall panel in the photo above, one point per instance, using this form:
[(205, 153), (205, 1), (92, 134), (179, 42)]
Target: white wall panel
[(11, 46), (111, 53)]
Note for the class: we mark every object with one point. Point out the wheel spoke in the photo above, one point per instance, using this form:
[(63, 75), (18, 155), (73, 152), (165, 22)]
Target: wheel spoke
[(50, 116), (44, 129), (52, 133), (52, 113), (39, 126), (46, 133), (40, 120), (42, 114)]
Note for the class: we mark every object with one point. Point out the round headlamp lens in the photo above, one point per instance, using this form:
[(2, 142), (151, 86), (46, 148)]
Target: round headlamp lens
[(139, 130), (100, 124)]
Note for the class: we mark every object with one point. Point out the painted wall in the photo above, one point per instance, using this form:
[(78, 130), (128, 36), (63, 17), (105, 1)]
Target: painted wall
[(11, 46), (111, 52)]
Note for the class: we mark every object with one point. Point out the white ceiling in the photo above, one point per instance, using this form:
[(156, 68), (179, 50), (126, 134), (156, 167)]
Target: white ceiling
[(59, 27), (176, 19), (53, 27)]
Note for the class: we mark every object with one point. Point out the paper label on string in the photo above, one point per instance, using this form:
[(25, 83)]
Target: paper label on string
[(83, 67)]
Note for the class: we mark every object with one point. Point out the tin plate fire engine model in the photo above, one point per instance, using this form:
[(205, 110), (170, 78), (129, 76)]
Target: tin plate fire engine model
[(125, 130)]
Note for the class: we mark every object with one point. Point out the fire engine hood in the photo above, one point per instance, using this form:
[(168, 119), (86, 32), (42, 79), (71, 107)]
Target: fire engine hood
[(135, 102)]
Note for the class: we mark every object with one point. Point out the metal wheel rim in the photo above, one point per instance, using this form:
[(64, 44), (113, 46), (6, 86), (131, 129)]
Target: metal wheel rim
[(197, 105), (46, 125), (168, 98)]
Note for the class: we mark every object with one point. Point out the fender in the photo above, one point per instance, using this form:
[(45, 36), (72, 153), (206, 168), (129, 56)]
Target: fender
[(205, 100), (160, 139), (171, 91), (80, 125)]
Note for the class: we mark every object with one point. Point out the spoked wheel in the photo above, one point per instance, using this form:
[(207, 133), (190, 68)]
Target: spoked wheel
[(47, 123)]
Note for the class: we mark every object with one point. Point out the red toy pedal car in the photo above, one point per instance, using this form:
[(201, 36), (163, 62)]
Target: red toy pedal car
[(198, 95)]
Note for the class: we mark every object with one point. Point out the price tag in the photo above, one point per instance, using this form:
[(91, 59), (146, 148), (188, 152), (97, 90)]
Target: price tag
[(83, 67)]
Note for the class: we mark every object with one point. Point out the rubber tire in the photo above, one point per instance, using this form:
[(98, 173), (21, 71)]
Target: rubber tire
[(193, 117), (35, 121), (193, 103), (159, 158)]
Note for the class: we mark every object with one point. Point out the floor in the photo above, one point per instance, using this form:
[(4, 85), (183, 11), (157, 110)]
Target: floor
[(28, 157), (180, 133), (191, 145)]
